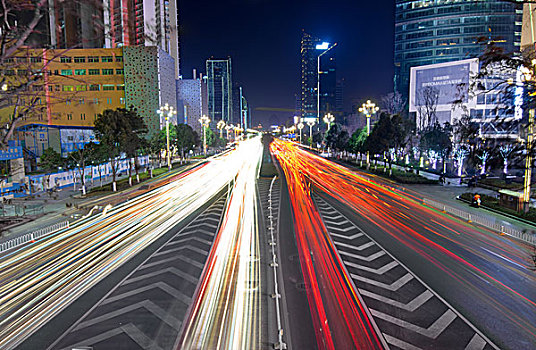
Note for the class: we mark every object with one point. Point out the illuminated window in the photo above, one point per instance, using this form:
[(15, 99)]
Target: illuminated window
[(66, 72), (122, 100), (109, 101), (68, 88), (81, 87)]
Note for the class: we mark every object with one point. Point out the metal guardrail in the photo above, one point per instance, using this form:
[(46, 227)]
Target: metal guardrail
[(280, 343), (485, 221), (31, 237)]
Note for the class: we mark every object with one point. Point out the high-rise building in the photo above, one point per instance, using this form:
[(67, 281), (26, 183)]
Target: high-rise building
[(75, 24), (115, 23), (528, 32), (190, 95), (432, 32), (339, 96), (311, 49), (220, 90), (79, 84)]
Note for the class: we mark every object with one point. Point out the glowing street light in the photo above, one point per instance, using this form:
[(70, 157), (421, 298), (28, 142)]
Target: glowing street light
[(204, 120), (221, 124), (368, 109), (167, 112), (300, 127), (227, 128), (311, 123), (328, 119)]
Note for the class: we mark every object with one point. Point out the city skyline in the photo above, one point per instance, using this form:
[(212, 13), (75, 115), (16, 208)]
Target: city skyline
[(267, 59)]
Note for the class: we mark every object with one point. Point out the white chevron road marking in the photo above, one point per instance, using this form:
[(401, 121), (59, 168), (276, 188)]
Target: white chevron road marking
[(160, 285), (393, 287), (410, 306), (357, 235), (361, 247), (380, 271), (476, 343), (129, 329), (177, 257), (172, 270), (431, 332), (399, 343), (146, 304), (364, 258)]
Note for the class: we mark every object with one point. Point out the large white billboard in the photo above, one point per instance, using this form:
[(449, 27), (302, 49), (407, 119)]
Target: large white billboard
[(449, 81)]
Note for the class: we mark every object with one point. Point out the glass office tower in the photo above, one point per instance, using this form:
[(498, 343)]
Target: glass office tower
[(428, 32)]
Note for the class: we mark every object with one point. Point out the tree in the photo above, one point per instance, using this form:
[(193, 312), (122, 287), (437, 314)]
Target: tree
[(98, 155), (357, 140), (393, 103), (337, 138), (80, 157), (131, 139), (427, 100), (382, 137), (49, 162), (111, 127), (437, 139), (186, 139)]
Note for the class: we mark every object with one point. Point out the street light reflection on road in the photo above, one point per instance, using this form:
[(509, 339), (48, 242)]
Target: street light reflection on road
[(225, 314), (448, 244), (38, 281)]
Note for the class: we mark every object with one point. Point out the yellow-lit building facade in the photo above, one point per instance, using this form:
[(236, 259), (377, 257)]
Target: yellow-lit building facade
[(67, 89)]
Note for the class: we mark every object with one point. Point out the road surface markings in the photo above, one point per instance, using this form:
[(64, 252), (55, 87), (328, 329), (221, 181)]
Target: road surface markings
[(147, 308), (408, 313)]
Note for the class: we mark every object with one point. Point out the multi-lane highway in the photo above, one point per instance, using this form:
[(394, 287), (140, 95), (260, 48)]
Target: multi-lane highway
[(226, 312), (39, 281), (481, 289), (361, 265)]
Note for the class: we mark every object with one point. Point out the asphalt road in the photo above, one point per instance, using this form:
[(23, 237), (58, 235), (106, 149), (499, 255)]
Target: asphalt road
[(58, 328), (480, 283), (298, 323), (148, 307)]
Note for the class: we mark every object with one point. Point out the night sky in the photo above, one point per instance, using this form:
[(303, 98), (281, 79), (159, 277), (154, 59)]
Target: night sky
[(263, 39)]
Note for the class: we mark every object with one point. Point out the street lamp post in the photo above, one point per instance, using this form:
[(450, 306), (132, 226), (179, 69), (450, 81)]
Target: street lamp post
[(328, 119), (311, 123), (167, 112), (221, 124), (318, 77), (204, 120), (368, 109), (300, 127)]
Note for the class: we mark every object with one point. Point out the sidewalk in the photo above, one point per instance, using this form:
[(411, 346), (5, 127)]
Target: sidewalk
[(70, 205), (447, 195)]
